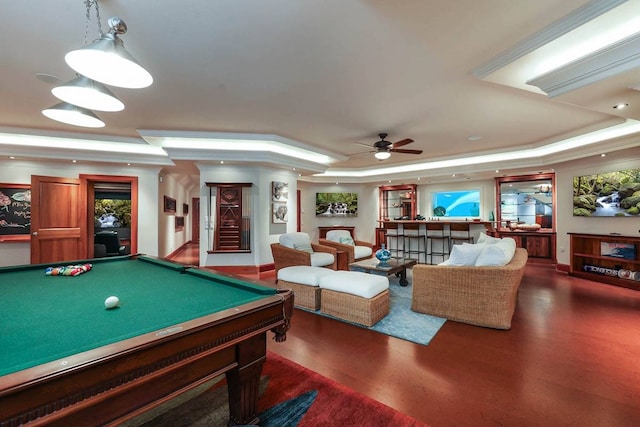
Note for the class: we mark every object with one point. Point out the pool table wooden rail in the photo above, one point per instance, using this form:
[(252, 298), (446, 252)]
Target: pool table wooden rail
[(113, 383)]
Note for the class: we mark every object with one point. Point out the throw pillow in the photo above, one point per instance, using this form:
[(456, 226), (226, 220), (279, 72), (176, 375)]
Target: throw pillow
[(484, 238), (303, 247), (465, 255), (497, 254), (347, 241)]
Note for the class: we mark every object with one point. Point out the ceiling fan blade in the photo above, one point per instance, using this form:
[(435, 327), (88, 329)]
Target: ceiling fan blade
[(363, 153), (366, 145), (402, 150), (402, 142)]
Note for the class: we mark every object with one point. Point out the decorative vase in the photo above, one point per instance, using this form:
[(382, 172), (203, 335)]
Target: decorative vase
[(383, 255)]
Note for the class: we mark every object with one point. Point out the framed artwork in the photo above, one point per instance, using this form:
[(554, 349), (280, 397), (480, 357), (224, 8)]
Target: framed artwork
[(279, 213), (279, 191), (179, 223), (185, 209), (169, 204), (15, 212), (337, 205)]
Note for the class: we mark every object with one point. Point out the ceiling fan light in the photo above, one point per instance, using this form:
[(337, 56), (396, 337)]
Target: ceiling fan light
[(107, 61), (87, 93), (382, 155), (73, 115)]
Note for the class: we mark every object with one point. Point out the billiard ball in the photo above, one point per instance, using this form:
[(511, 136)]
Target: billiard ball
[(111, 302)]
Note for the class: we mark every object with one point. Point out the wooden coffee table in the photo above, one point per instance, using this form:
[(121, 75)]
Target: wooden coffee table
[(393, 266)]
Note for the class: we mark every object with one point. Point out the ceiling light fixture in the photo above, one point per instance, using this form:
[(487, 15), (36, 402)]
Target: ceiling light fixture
[(382, 155), (87, 93), (73, 115), (106, 60), (621, 106)]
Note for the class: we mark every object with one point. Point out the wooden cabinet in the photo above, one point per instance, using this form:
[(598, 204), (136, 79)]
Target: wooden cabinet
[(230, 206), (397, 202), (606, 258), (526, 199), (541, 245)]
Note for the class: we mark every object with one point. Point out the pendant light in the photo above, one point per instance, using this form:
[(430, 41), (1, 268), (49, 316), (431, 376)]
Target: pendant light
[(107, 61), (73, 115), (87, 93)]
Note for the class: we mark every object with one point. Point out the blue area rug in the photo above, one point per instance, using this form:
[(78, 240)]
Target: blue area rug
[(402, 322)]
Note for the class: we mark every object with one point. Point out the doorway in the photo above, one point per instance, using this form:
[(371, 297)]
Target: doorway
[(112, 205)]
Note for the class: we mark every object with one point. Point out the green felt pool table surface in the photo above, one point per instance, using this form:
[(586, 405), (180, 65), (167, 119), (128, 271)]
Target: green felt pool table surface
[(66, 359), (50, 317)]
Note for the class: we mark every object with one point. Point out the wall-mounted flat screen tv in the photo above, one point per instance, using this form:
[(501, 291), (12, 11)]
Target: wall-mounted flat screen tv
[(337, 204), (607, 194), (464, 203)]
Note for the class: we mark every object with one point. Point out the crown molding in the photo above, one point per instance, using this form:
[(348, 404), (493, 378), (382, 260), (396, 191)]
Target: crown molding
[(607, 62), (549, 33)]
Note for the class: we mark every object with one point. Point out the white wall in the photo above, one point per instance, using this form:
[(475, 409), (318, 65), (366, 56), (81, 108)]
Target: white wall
[(169, 239), (264, 232), (19, 172), (566, 222), (365, 222)]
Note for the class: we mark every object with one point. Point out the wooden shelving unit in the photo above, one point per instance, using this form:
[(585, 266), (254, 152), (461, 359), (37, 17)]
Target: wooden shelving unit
[(586, 250)]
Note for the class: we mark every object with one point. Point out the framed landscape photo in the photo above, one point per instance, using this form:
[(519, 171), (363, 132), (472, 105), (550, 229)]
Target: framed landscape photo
[(169, 205)]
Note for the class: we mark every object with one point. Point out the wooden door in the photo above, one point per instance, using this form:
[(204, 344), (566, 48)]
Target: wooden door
[(195, 220), (58, 231)]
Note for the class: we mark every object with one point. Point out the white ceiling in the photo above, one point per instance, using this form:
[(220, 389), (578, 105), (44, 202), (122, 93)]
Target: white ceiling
[(322, 74)]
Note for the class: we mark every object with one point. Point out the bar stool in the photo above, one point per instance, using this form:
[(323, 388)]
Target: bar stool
[(436, 232), (460, 232), (394, 235), (413, 237)]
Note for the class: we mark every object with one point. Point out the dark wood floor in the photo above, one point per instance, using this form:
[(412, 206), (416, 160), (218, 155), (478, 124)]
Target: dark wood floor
[(571, 358)]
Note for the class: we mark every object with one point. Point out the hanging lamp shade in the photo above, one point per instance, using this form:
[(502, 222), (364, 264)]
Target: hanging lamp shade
[(87, 93), (73, 115), (107, 61)]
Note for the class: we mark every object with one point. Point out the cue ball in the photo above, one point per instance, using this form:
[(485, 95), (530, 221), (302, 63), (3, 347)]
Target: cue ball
[(111, 302)]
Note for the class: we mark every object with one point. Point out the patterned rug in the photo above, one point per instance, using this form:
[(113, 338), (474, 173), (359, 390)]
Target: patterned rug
[(402, 322), (290, 396)]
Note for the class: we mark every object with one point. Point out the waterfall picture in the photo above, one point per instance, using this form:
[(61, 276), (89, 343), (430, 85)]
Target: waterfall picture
[(607, 194)]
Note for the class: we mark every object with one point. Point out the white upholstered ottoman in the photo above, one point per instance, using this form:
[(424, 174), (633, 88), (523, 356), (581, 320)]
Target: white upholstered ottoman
[(304, 281), (355, 296)]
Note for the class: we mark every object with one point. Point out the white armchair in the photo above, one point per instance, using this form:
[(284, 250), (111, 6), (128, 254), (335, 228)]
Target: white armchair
[(342, 240), (297, 249)]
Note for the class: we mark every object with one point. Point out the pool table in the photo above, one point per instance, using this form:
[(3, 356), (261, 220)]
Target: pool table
[(67, 360)]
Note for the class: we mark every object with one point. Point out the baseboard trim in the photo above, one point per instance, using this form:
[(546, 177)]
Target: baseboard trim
[(563, 267), (242, 269), (177, 251)]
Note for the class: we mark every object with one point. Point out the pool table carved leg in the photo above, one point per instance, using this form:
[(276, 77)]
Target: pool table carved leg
[(244, 381)]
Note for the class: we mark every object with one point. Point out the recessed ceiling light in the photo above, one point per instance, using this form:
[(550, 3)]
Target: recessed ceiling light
[(221, 161), (474, 138), (74, 161), (620, 106), (603, 155), (12, 157)]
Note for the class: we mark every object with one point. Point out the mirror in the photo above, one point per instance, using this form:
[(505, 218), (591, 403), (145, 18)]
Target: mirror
[(526, 202)]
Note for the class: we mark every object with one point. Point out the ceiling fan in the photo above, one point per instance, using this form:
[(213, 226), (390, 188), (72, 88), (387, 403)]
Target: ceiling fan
[(383, 149)]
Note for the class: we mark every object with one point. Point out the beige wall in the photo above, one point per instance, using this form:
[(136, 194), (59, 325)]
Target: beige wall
[(19, 172), (157, 235)]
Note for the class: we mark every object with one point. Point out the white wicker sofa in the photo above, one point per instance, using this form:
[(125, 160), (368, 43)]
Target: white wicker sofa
[(477, 295)]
